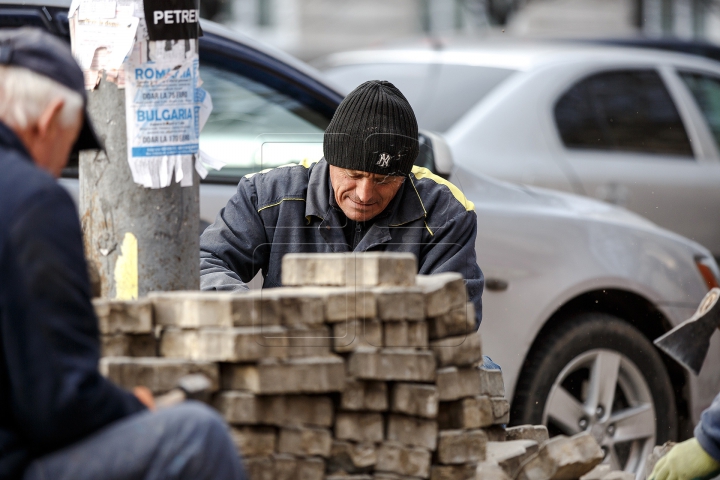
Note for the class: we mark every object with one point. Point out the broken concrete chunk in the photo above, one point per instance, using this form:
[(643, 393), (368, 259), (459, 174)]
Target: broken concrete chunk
[(352, 335), (413, 431), (349, 269), (352, 457), (443, 292), (501, 410), (461, 446), (359, 427), (563, 458), (364, 395), (124, 316), (510, 455), (128, 345), (241, 344), (415, 399), (294, 375), (597, 473), (491, 382), (403, 460), (458, 351), (490, 471), (391, 364), (458, 321), (158, 374), (305, 441), (254, 441), (538, 433)]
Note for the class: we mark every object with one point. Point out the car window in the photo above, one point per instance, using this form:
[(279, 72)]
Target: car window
[(439, 93), (706, 90), (628, 110), (253, 126)]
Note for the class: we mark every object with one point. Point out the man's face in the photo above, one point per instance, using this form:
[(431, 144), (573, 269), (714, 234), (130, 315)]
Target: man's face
[(363, 195)]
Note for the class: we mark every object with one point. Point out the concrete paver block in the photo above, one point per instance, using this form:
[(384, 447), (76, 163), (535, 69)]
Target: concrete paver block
[(351, 457), (290, 467), (124, 316), (349, 269), (359, 427), (415, 399), (392, 364), (356, 334), (458, 321), (458, 351), (461, 446), (158, 374), (400, 303), (413, 431), (364, 395), (294, 375), (404, 460), (128, 345), (443, 292), (254, 441), (305, 441), (240, 344)]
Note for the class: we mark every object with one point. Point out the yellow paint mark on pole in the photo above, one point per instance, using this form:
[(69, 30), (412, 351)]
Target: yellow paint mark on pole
[(126, 269)]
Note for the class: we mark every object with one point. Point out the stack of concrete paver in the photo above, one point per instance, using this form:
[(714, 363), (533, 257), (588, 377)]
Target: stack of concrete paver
[(357, 369)]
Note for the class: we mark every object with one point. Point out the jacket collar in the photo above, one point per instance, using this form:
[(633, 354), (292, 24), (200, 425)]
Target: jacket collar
[(10, 140), (320, 202)]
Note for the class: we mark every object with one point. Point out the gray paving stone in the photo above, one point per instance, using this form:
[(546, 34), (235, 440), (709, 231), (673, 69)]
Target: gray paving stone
[(254, 441), (349, 269), (404, 460), (443, 292), (460, 351), (124, 316), (458, 321), (415, 399), (457, 447), (359, 427), (412, 431), (158, 374), (392, 364), (364, 395)]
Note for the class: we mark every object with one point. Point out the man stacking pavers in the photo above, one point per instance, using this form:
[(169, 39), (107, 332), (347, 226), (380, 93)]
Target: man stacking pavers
[(357, 370), (364, 195)]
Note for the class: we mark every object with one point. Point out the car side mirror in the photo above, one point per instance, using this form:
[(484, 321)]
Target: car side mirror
[(435, 154)]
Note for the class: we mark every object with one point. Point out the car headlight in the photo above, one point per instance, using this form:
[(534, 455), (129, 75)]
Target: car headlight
[(708, 270)]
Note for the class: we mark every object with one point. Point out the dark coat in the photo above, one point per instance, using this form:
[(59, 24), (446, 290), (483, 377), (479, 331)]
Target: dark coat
[(707, 431), (292, 209), (51, 393)]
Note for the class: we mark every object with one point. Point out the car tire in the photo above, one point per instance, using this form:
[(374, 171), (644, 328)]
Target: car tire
[(580, 357)]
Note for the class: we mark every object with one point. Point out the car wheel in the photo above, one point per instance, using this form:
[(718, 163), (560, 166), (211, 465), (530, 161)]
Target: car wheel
[(597, 373)]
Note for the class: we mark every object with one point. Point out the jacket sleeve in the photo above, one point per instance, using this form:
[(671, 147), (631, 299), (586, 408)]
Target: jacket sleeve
[(707, 431), (51, 335), (233, 249), (452, 249)]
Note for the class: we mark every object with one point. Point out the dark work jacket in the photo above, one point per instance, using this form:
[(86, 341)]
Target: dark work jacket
[(292, 209), (51, 393), (707, 431)]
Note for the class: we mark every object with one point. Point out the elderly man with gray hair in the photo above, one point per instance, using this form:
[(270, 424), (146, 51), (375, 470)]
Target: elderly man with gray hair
[(59, 418)]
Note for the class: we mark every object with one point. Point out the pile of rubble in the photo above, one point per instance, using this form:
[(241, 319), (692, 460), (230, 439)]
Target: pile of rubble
[(356, 369)]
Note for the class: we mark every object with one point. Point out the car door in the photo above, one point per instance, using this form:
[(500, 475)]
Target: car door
[(630, 143)]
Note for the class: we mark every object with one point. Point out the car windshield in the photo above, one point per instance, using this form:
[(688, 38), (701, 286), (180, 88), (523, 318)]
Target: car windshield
[(440, 94), (253, 126)]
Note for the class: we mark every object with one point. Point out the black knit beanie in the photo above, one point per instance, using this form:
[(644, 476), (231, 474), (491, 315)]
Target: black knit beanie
[(373, 130)]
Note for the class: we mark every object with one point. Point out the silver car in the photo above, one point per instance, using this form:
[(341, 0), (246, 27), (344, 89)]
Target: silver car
[(638, 128)]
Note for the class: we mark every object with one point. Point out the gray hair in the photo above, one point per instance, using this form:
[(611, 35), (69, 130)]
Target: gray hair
[(24, 96)]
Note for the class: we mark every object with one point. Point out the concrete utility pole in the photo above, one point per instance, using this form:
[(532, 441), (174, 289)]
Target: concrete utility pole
[(137, 239)]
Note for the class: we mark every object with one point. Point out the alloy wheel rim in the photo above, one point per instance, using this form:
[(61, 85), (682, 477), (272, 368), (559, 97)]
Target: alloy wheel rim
[(603, 392)]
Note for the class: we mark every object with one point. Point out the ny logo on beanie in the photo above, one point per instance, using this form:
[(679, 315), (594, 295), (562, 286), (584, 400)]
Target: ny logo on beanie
[(384, 160)]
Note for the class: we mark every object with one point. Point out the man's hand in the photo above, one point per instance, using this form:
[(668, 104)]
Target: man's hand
[(145, 396), (686, 461)]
